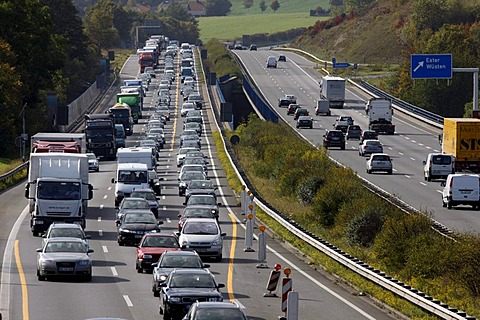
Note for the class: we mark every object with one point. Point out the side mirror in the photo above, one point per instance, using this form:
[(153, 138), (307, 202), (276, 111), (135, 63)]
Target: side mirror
[(179, 215), (442, 184), (44, 235), (90, 192), (39, 250), (205, 265), (219, 204), (185, 203), (424, 162), (160, 222), (117, 222), (90, 251), (113, 180), (177, 233), (220, 285), (87, 236), (223, 234)]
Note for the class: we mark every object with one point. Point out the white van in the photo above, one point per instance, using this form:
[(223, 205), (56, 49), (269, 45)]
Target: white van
[(129, 176), (137, 155), (271, 62), (438, 166), (461, 189)]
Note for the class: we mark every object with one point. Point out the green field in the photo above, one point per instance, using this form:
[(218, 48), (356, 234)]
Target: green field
[(286, 6), (231, 27)]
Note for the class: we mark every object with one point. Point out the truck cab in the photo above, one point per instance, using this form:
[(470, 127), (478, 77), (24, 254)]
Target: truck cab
[(129, 176)]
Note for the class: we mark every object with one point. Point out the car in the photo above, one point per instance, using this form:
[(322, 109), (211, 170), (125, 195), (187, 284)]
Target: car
[(282, 58), (170, 260), (133, 225), (151, 143), (341, 127), (353, 132), (192, 167), (198, 161), (185, 286), (64, 257), (253, 47), (146, 77), (191, 118), (204, 199), (202, 235), (292, 107), (190, 138), (379, 162), (196, 154), (304, 122), (200, 187), (300, 112), (225, 310), (158, 132), (287, 100), (130, 203), (197, 99), (369, 134), (194, 212), (150, 196), (185, 178), (181, 155), (150, 71), (151, 247), (344, 120), (334, 138), (154, 182), (93, 164), (368, 147), (461, 189), (66, 230), (163, 111), (271, 62)]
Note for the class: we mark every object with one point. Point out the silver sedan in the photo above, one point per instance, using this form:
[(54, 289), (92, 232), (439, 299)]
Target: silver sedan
[(369, 146), (64, 257)]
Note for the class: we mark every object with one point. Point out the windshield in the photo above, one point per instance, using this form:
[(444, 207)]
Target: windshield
[(150, 196), (200, 228), (162, 242), (192, 175), (66, 232), (135, 204), (201, 184), (140, 218), (209, 201), (52, 190), (180, 262), (65, 246), (198, 213), (120, 113), (134, 176), (99, 132), (192, 281), (442, 159), (219, 313)]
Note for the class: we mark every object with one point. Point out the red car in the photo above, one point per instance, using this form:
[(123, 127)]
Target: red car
[(151, 247)]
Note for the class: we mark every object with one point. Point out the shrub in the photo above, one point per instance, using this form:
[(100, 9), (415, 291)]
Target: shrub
[(464, 263), (364, 227), (307, 188)]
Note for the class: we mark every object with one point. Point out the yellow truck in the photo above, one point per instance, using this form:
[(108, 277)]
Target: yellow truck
[(461, 138)]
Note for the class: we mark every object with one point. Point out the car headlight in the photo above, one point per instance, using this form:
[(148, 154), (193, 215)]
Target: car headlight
[(175, 299), (147, 256), (154, 231), (185, 243), (217, 242), (83, 262), (214, 211), (47, 262), (122, 230), (183, 184), (163, 277)]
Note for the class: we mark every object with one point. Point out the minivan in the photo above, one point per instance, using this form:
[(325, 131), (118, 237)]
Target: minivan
[(438, 166), (271, 62), (120, 135), (461, 189)]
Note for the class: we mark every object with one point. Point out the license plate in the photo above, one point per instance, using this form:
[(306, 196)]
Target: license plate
[(380, 162), (465, 191), (65, 269)]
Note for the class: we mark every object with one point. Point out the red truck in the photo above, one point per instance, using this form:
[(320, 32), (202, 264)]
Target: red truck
[(146, 59)]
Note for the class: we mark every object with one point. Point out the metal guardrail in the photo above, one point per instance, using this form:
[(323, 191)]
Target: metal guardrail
[(401, 289), (14, 171)]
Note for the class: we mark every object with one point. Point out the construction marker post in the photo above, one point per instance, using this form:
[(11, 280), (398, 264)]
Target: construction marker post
[(251, 208), (262, 248), (286, 288), (292, 305), (273, 281), (249, 234), (243, 200)]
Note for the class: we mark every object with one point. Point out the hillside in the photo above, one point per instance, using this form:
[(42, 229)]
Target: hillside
[(286, 6), (371, 38)]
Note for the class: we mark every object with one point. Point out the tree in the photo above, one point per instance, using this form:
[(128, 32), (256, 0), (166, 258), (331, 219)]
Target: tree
[(263, 6), (247, 4), (275, 5), (178, 12), (217, 7)]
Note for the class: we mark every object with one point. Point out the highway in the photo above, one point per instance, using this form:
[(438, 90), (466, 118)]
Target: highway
[(412, 141), (118, 291)]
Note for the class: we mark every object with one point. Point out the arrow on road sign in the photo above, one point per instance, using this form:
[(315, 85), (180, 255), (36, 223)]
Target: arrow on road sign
[(420, 64)]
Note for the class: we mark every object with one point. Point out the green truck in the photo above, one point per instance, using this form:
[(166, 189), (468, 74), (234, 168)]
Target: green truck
[(134, 100)]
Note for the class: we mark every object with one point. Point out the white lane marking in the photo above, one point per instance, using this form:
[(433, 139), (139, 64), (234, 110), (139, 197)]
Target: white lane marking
[(114, 271), (168, 220), (400, 153), (101, 206), (390, 148), (421, 144), (105, 196), (100, 233), (109, 188), (423, 183), (407, 176), (413, 159), (440, 191), (164, 207), (428, 147), (127, 301), (163, 197), (239, 304), (99, 219), (394, 170), (105, 249), (436, 150)]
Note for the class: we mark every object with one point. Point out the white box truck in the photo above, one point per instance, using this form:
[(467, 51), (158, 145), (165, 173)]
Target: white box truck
[(333, 90), (380, 115), (57, 189)]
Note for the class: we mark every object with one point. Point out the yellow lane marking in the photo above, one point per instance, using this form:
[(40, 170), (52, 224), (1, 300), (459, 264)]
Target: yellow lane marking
[(23, 283), (231, 296), (177, 98)]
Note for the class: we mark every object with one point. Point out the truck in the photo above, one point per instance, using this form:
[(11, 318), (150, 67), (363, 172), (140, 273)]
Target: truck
[(57, 189), (100, 134), (58, 142), (333, 90), (122, 113), (380, 114), (146, 59), (323, 108), (461, 139), (134, 101), (129, 176)]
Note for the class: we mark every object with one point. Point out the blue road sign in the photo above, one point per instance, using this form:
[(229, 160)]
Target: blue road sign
[(341, 65), (431, 66)]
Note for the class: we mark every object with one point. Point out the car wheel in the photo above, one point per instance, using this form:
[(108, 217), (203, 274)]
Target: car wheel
[(219, 258), (428, 178), (443, 204), (311, 127), (343, 147), (88, 278), (39, 276), (156, 293), (449, 205), (368, 171), (389, 171)]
